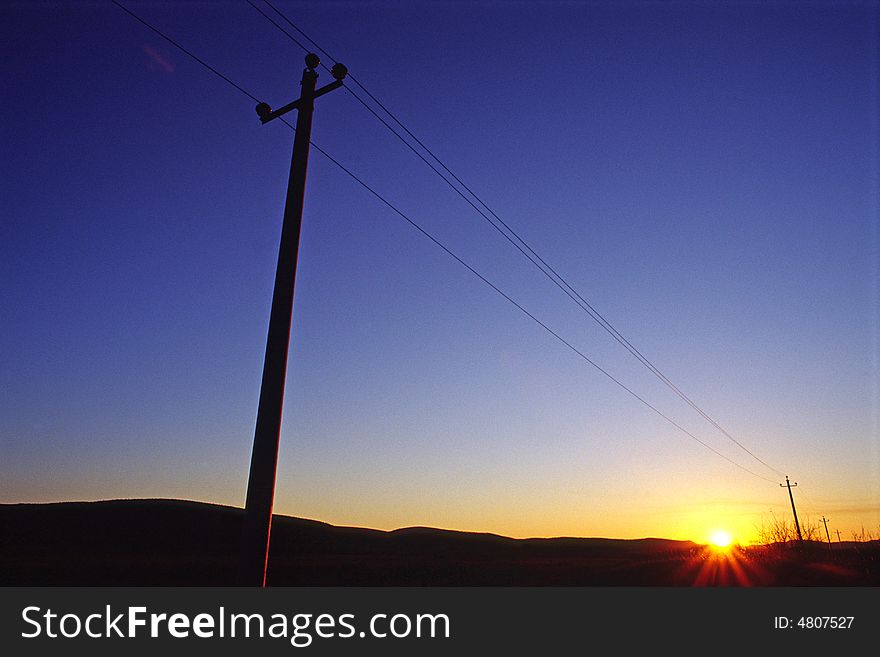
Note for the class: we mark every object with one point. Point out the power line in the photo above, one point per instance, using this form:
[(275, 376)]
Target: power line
[(289, 35), (192, 55), (527, 313), (562, 283), (527, 251), (177, 45), (808, 502), (449, 252)]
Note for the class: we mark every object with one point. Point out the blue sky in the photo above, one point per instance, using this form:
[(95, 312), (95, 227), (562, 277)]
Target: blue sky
[(705, 174)]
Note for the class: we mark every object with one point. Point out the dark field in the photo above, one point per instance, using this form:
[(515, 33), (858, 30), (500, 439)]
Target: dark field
[(172, 542)]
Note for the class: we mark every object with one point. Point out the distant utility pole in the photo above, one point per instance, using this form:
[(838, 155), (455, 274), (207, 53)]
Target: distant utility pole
[(797, 525), (838, 535), (264, 458), (827, 535)]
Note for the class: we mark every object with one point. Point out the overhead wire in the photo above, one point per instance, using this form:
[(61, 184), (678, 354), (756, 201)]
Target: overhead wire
[(516, 240), (808, 503), (453, 255)]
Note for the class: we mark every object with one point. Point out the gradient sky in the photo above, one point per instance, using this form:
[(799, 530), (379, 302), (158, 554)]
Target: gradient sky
[(705, 174)]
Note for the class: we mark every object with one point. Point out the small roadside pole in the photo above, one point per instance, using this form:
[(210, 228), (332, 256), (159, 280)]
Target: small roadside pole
[(827, 535), (797, 525), (264, 458)]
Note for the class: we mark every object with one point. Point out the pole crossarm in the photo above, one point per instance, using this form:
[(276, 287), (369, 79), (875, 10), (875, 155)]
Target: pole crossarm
[(267, 114)]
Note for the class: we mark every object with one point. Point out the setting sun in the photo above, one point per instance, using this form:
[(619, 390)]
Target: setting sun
[(721, 538)]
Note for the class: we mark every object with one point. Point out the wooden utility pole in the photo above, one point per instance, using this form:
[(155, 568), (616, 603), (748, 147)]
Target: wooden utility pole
[(838, 536), (827, 535), (797, 525), (264, 458)]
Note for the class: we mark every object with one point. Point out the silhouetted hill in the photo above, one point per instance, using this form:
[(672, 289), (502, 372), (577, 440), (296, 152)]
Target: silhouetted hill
[(173, 542)]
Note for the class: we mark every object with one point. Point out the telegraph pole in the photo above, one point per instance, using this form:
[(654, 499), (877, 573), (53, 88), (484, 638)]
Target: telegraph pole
[(264, 458), (827, 535), (838, 535), (797, 525)]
